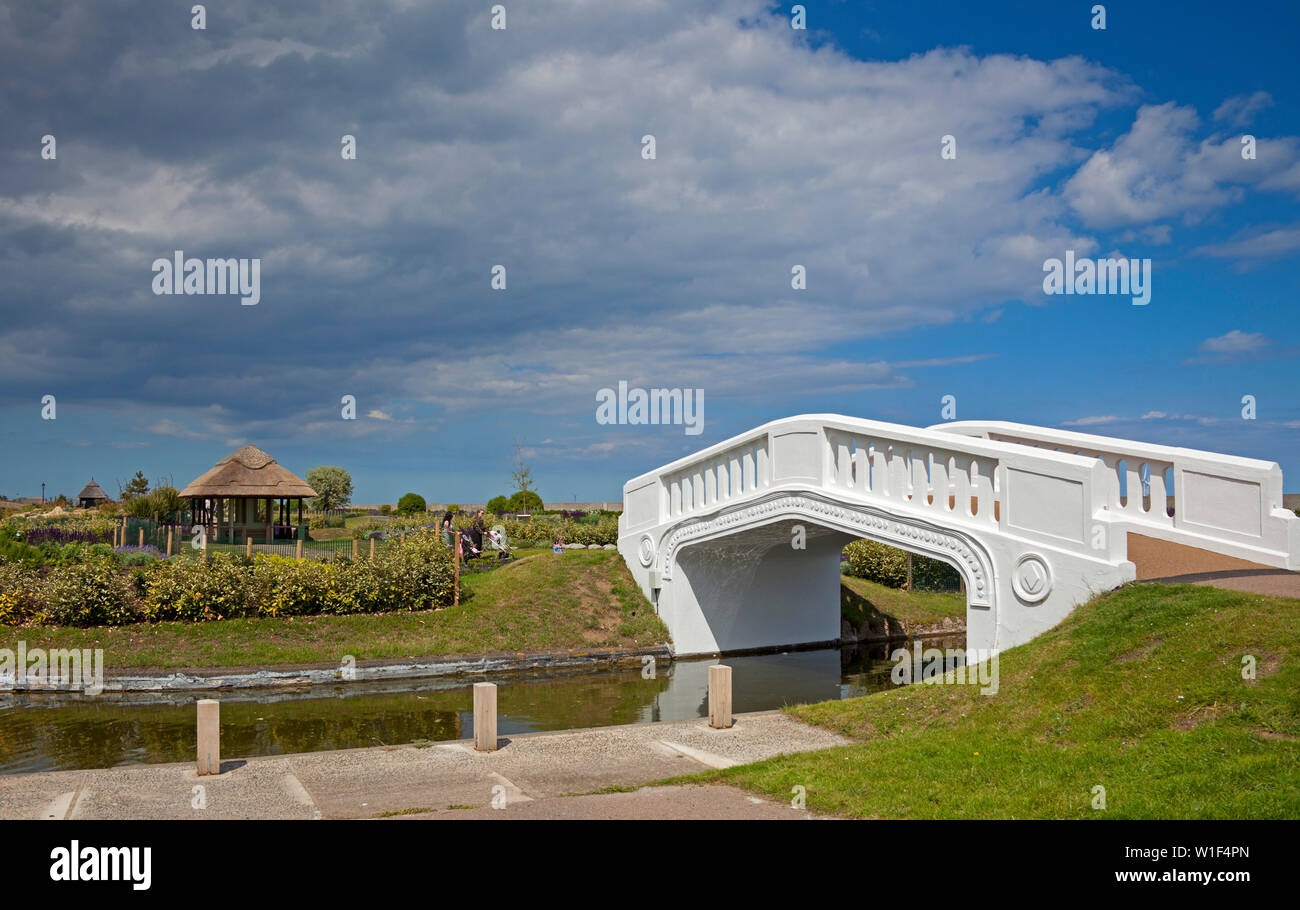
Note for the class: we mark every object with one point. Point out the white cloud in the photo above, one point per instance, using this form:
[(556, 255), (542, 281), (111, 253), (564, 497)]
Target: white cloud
[(1091, 421), (1159, 170), (1260, 245), (1239, 110)]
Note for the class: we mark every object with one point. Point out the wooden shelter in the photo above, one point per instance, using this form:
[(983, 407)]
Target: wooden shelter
[(248, 494), (91, 496)]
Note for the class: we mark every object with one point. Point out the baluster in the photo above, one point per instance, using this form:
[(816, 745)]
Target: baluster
[(898, 485), (961, 484), (861, 466), (919, 477), (982, 490), (1133, 486), (724, 488), (748, 468), (939, 481), (843, 465), (734, 477), (1112, 481), (1159, 497), (879, 470), (762, 467), (675, 496)]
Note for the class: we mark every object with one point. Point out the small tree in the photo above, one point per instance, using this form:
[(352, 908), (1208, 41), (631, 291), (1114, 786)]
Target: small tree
[(522, 475), (410, 504), (333, 487), (136, 486), (498, 504)]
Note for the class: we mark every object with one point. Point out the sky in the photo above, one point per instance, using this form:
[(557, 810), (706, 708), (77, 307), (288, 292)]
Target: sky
[(524, 147)]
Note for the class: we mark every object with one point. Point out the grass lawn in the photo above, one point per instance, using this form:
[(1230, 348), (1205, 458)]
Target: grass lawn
[(582, 599), (864, 603), (1140, 692)]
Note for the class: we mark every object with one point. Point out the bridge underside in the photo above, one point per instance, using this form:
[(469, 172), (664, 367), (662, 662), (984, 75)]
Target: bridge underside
[(753, 589)]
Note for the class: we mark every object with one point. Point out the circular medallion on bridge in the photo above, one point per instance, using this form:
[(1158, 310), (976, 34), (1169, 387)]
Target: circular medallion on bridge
[(1032, 578), (647, 550)]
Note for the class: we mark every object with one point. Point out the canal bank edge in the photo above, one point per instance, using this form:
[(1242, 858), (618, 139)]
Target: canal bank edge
[(215, 678), (204, 679)]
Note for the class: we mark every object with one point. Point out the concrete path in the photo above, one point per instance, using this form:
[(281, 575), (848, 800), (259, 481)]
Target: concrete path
[(532, 775), (1172, 563)]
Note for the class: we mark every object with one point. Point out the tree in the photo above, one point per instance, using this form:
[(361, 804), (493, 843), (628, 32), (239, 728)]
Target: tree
[(333, 487), (526, 501), (136, 486), (522, 474), (498, 504), (410, 503)]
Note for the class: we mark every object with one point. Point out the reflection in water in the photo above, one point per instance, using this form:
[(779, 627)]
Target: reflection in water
[(49, 732)]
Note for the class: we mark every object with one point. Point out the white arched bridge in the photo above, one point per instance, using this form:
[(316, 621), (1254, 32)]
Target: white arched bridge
[(1036, 521)]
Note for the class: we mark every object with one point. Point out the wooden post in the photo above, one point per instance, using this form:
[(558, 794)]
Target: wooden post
[(169, 540), (355, 544), (485, 717), (248, 544), (455, 599), (299, 553), (209, 736), (142, 537), (372, 548), (719, 697), (205, 545)]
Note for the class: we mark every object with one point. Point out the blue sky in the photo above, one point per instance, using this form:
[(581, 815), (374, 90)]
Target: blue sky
[(522, 147)]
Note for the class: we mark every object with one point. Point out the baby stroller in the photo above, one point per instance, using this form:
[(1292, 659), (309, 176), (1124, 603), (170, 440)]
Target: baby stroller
[(495, 539), (467, 548)]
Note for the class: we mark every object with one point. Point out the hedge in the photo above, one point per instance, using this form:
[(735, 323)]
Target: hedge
[(887, 565), (415, 573)]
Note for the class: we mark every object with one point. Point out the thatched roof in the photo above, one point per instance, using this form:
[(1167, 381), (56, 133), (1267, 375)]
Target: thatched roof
[(248, 472), (92, 490)]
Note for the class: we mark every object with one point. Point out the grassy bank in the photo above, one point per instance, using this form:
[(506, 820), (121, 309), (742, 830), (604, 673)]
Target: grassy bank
[(1140, 692), (867, 604), (582, 599)]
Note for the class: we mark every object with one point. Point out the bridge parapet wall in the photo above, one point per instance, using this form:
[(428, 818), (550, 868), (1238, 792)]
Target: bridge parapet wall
[(1046, 496), (1222, 503)]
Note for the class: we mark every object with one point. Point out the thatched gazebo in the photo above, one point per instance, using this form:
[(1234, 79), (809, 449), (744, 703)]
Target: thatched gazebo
[(91, 496), (247, 494)]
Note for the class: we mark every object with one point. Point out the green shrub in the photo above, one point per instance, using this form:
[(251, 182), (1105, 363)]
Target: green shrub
[(498, 504), (887, 565), (195, 590), (20, 594), (90, 593), (410, 503)]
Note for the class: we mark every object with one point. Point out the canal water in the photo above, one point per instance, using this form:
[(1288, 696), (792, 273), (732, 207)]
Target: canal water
[(52, 732)]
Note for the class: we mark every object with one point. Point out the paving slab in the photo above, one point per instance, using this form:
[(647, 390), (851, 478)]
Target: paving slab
[(712, 802), (428, 779)]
